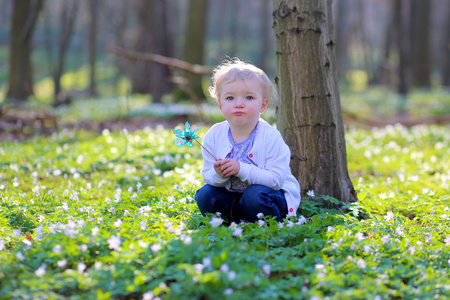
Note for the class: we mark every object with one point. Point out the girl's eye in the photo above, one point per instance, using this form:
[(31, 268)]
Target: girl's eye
[(229, 98), (249, 98)]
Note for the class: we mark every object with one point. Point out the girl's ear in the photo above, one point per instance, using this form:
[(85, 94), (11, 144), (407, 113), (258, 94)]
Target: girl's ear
[(264, 104)]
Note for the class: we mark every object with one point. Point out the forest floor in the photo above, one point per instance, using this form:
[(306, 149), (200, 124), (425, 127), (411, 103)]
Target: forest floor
[(24, 122)]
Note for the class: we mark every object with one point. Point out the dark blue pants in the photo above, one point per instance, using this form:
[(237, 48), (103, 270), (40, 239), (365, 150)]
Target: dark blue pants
[(242, 206)]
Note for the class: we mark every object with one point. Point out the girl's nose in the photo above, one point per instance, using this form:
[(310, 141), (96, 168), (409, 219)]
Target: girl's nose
[(239, 102)]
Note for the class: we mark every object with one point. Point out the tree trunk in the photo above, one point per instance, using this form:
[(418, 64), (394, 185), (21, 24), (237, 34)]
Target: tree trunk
[(25, 14), (93, 16), (446, 70), (420, 43), (153, 37), (194, 44), (342, 38), (67, 23), (309, 113)]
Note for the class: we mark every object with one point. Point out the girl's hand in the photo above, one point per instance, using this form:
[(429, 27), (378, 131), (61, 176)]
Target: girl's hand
[(227, 167)]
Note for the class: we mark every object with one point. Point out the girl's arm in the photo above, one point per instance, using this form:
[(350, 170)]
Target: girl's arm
[(210, 176)]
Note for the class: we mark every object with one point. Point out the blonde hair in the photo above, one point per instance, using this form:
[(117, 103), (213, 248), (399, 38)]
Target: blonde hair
[(235, 69)]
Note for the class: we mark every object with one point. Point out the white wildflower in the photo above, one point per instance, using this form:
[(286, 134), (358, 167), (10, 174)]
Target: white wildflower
[(311, 194), (266, 269), (389, 216), (114, 242), (261, 223), (215, 222), (359, 236), (155, 248), (61, 263), (260, 215), (41, 270), (361, 263)]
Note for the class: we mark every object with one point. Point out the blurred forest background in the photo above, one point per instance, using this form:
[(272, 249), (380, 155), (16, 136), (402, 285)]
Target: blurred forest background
[(88, 60)]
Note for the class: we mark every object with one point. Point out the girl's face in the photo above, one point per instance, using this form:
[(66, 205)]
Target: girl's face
[(242, 101)]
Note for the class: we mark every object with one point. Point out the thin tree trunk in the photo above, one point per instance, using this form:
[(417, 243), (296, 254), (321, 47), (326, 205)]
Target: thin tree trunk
[(309, 113), (93, 16), (25, 14), (194, 44), (67, 23), (402, 15), (446, 71)]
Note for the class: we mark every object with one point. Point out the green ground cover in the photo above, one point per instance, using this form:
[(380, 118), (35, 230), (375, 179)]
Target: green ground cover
[(88, 216)]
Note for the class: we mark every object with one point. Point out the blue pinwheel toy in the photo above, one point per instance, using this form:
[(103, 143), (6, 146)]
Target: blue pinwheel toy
[(187, 136)]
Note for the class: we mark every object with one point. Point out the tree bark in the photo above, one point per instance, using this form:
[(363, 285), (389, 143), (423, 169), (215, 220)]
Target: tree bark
[(93, 16), (153, 37), (309, 114), (25, 14), (194, 44), (67, 24), (420, 43)]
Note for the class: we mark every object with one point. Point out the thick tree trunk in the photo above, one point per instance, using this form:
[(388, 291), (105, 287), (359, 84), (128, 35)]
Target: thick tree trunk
[(309, 113), (153, 37), (420, 43), (194, 44), (23, 22)]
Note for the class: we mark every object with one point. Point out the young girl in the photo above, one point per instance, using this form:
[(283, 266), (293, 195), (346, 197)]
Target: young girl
[(251, 172)]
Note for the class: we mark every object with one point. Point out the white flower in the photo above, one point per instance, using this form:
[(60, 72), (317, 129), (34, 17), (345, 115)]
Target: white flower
[(330, 228), (126, 212), (95, 231), (83, 247), (382, 196), (148, 296), (301, 220), (224, 268), (280, 225), (260, 215), (61, 263), (399, 231), (143, 244), (266, 269), (311, 193), (206, 261), (215, 222), (155, 248), (41, 218), (237, 232), (57, 249), (142, 226), (228, 291), (261, 223), (447, 240), (389, 216), (231, 275), (27, 242), (2, 245), (319, 267), (81, 267), (385, 239), (187, 240), (359, 236), (118, 223), (361, 263), (98, 265), (20, 256), (114, 242), (290, 224), (412, 250), (40, 271)]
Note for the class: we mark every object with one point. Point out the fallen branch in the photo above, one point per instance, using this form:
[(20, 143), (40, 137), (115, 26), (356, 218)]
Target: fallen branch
[(159, 59)]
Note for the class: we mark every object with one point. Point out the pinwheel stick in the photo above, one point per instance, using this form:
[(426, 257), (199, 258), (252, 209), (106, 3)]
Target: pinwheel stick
[(207, 150)]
